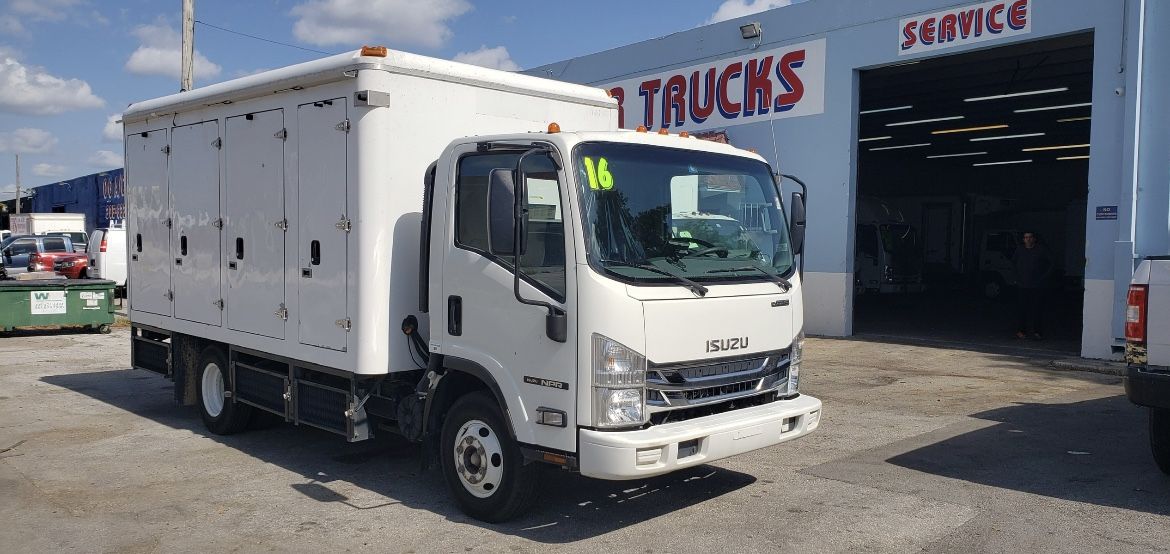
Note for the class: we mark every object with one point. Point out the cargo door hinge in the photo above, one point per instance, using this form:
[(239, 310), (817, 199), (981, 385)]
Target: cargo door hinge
[(343, 224), (344, 324), (218, 223), (282, 225), (218, 304), (281, 312), (166, 150), (343, 126), (217, 143), (170, 295), (281, 134)]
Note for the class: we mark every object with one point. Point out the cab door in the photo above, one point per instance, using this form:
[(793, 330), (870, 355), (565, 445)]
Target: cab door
[(481, 319)]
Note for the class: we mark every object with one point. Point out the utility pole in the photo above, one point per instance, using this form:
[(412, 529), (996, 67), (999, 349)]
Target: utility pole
[(188, 45), (18, 183)]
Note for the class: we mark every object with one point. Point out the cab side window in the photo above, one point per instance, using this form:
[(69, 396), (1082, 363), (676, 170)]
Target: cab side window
[(54, 244), (22, 246)]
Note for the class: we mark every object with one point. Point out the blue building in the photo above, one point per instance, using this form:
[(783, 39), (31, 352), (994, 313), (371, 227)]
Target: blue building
[(100, 196), (973, 121)]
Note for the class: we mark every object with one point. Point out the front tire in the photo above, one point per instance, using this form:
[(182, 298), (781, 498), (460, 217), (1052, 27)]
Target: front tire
[(1160, 438), (220, 414), (482, 463)]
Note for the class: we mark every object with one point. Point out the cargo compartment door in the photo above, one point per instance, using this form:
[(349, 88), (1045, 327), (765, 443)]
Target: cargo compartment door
[(255, 224), (323, 227), (195, 209), (150, 237)]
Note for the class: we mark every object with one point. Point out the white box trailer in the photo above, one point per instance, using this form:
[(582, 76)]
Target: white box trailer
[(284, 227), (41, 223)]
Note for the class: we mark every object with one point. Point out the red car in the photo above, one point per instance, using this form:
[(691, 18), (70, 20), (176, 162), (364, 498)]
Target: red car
[(69, 264)]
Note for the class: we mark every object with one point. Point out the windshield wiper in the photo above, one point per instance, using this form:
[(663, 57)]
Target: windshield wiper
[(784, 284), (693, 286)]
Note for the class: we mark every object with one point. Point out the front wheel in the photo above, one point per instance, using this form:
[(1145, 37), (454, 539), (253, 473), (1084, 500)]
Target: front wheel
[(482, 463), (1160, 437), (220, 414)]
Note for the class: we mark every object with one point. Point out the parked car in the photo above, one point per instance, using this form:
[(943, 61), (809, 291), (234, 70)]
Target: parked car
[(1147, 350), (16, 250), (80, 240), (3, 270), (69, 264), (4, 234), (108, 258)]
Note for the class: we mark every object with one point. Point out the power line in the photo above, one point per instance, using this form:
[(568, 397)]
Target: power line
[(206, 24)]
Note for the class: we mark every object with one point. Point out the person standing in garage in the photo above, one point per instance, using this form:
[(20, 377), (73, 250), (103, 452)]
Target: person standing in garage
[(1033, 269)]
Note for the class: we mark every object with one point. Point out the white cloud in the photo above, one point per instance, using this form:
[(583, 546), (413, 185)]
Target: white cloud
[(11, 26), (112, 132), (27, 141), (49, 170), (30, 90), (159, 53), (353, 22), (106, 159), (495, 58), (731, 9), (43, 10)]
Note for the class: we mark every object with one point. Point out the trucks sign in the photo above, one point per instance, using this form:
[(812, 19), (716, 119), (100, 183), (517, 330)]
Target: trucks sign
[(788, 81), (966, 25)]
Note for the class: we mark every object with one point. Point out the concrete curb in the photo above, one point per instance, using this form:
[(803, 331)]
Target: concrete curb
[(1096, 366)]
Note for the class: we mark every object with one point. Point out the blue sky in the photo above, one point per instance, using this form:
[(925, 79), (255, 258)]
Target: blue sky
[(69, 67)]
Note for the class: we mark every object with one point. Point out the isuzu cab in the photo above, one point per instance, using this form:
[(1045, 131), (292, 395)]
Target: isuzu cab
[(478, 260)]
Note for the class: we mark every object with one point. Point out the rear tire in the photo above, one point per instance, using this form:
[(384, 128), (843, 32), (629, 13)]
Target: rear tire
[(221, 414), (1160, 438), (482, 463)]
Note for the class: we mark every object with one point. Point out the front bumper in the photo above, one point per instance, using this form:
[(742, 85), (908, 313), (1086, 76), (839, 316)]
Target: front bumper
[(620, 455), (1148, 388)]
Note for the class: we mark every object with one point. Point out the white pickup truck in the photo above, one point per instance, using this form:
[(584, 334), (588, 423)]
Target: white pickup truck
[(1147, 350)]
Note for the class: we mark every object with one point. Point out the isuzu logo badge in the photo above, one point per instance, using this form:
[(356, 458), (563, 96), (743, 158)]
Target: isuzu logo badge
[(720, 345)]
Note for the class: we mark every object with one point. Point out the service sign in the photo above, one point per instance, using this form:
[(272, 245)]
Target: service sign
[(47, 302), (966, 25), (782, 82)]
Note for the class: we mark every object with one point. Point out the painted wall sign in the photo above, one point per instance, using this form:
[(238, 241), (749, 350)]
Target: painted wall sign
[(788, 81), (1105, 213), (45, 302), (966, 25)]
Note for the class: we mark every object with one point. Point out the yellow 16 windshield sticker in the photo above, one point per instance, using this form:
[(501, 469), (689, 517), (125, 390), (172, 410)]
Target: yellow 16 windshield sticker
[(599, 176)]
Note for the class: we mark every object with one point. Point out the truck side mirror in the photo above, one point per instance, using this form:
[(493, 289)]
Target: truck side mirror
[(501, 203), (796, 223)]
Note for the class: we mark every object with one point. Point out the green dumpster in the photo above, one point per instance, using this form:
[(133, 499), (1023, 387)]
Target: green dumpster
[(86, 302)]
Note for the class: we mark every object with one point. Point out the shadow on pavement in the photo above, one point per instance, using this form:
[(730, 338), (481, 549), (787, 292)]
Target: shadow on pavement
[(1094, 451), (571, 507)]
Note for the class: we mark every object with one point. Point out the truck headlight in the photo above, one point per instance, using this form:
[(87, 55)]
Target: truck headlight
[(794, 363), (619, 381)]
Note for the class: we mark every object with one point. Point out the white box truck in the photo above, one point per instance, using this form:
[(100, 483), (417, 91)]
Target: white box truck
[(39, 224), (286, 227)]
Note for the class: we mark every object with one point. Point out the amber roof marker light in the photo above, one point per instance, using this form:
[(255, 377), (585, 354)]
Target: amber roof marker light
[(375, 51), (554, 128)]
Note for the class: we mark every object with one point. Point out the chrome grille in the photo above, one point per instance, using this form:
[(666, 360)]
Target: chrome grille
[(674, 386)]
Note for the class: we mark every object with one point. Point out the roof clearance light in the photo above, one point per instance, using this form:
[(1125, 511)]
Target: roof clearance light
[(640, 129), (1061, 147), (663, 131), (554, 128), (968, 129), (1002, 163), (376, 51), (880, 110), (870, 139), (899, 147), (1067, 158), (1016, 94), (955, 155), (683, 134), (1005, 137), (917, 121), (1061, 107)]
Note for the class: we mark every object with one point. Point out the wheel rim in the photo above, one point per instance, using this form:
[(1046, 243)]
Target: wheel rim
[(479, 458), (213, 389)]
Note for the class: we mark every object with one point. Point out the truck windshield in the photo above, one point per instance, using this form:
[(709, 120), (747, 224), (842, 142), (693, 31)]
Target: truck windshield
[(680, 214)]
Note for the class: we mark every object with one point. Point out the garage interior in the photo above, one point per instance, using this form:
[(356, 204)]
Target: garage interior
[(958, 155)]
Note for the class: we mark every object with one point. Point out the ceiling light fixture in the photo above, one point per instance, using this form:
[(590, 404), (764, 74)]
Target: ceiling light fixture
[(874, 138), (1002, 163), (1061, 147), (968, 129), (1005, 137), (1071, 119), (899, 147), (918, 121), (880, 110), (955, 155), (1015, 94), (1061, 107), (1066, 158)]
